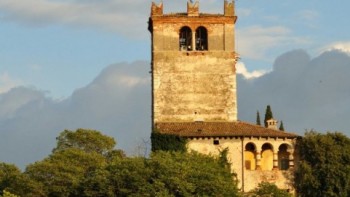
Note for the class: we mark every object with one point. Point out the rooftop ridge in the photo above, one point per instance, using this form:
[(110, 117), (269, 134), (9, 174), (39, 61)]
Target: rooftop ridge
[(209, 129)]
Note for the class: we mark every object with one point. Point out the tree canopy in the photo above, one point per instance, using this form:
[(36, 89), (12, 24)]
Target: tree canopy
[(268, 115), (281, 128), (324, 169), (85, 139), (85, 164), (269, 190), (258, 122)]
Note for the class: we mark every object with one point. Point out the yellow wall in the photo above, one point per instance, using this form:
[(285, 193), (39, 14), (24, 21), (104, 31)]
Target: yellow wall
[(267, 160), (250, 158)]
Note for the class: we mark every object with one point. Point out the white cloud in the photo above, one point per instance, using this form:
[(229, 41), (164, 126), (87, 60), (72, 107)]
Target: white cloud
[(126, 17), (256, 41), (131, 81), (7, 82), (117, 102), (305, 93), (341, 46), (241, 69)]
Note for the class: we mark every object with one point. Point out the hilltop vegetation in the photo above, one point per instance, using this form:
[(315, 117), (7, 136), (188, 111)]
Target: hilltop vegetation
[(85, 163), (324, 168)]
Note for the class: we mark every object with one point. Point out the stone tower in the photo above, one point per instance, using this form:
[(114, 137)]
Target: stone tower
[(193, 65), (194, 96)]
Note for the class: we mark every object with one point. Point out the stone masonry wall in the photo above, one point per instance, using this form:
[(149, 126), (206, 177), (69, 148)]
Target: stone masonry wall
[(282, 178), (194, 85)]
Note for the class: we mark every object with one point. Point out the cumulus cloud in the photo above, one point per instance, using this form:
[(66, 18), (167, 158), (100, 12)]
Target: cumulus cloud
[(117, 102), (128, 18), (7, 82), (256, 41), (304, 92), (341, 46), (241, 69), (125, 17)]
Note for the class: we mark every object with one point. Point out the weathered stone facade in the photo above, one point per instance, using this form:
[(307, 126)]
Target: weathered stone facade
[(193, 84), (253, 166), (256, 153), (194, 95)]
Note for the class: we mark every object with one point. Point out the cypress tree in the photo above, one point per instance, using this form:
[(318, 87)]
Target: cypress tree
[(268, 115), (281, 127), (258, 118)]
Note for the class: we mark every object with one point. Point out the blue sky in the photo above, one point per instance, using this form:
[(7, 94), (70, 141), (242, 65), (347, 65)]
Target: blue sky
[(60, 45)]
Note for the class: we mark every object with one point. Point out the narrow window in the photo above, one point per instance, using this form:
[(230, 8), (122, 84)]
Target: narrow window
[(216, 142), (185, 39), (201, 39)]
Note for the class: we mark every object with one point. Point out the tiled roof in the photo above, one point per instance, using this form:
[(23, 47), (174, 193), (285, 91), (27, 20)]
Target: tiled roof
[(219, 129), (186, 14)]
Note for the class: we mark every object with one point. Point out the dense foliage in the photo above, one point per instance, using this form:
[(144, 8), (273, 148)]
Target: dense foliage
[(167, 142), (324, 169), (266, 189), (80, 167), (258, 122), (281, 128), (86, 140), (7, 194), (268, 115)]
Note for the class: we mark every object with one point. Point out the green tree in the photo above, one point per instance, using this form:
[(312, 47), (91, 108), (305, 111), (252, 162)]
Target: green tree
[(97, 183), (77, 166), (268, 115), (85, 139), (324, 168), (9, 176), (193, 174), (62, 172), (281, 126), (7, 194), (258, 118), (172, 174), (132, 177), (12, 180), (266, 189)]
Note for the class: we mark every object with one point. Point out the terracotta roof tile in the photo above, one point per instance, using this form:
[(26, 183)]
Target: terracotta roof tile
[(219, 129)]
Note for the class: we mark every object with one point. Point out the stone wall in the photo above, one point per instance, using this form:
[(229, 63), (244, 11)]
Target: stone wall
[(248, 178), (193, 85), (190, 86)]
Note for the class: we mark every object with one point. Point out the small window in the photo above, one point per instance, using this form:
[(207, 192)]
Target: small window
[(201, 39), (216, 142), (185, 39)]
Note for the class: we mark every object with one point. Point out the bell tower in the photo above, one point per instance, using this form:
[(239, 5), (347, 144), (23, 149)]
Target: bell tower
[(193, 65)]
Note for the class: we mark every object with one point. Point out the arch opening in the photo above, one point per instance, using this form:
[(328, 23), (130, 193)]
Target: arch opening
[(283, 157), (201, 39), (185, 39), (250, 156), (267, 157)]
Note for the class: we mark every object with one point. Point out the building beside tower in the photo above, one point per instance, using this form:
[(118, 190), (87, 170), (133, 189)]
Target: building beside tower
[(194, 95)]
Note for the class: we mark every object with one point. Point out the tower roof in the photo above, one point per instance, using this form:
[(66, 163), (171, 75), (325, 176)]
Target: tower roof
[(219, 129)]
